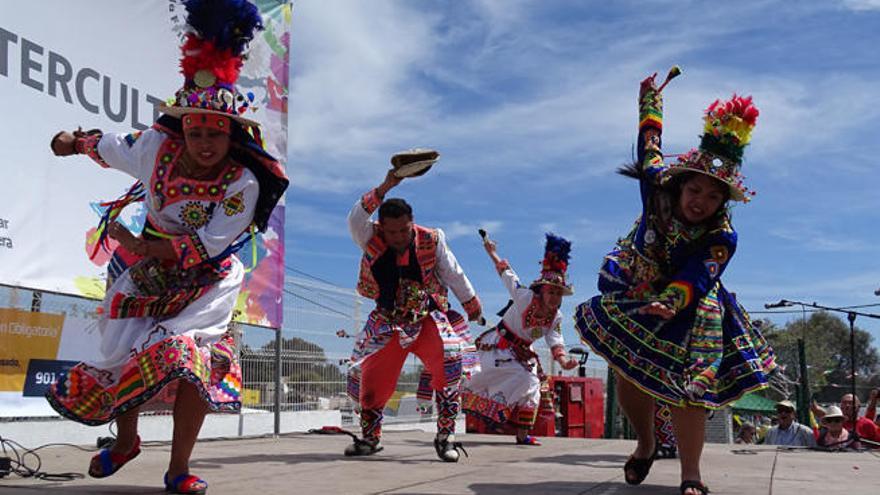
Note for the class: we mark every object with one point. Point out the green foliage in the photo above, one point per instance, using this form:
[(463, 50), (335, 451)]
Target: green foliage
[(827, 348)]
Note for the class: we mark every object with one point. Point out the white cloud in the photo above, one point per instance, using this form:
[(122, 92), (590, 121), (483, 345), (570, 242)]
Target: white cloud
[(843, 289), (348, 97), (809, 236), (862, 5), (584, 231), (307, 219), (458, 229), (366, 75)]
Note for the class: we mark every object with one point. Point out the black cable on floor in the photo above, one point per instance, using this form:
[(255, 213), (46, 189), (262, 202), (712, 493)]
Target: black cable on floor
[(26, 462)]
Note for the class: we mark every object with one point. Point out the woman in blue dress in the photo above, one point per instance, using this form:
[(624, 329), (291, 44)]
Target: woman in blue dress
[(663, 321)]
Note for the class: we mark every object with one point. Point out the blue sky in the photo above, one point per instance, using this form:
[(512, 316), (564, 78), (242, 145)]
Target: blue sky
[(533, 105)]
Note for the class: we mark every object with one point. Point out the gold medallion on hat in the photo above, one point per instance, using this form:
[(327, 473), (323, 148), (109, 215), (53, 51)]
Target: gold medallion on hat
[(204, 78)]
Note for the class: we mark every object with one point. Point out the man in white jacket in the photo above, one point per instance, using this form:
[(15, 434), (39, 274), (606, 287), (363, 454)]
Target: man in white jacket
[(407, 269)]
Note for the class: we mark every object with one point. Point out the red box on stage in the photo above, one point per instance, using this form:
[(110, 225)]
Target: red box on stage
[(578, 411)]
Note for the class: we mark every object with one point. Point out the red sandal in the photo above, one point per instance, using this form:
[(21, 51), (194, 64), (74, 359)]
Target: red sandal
[(187, 484), (528, 440), (109, 462)]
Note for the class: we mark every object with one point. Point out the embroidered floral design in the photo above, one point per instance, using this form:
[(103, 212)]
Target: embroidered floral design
[(194, 214)]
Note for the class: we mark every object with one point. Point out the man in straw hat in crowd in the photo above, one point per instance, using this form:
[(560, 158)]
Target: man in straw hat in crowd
[(788, 431), (407, 269), (863, 427), (832, 434)]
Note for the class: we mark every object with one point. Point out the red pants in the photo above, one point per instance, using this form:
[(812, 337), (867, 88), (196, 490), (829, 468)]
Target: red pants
[(379, 374)]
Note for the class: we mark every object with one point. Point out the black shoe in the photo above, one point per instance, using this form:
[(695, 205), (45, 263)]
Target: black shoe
[(447, 449), (363, 447)]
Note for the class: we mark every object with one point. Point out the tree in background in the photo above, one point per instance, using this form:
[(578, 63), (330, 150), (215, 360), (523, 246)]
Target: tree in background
[(826, 339)]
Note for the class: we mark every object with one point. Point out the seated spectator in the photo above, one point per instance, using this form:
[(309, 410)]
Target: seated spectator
[(871, 410), (746, 433), (832, 434), (788, 431), (864, 428)]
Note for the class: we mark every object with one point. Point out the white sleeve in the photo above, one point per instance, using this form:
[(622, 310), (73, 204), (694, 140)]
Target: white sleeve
[(232, 217), (511, 282), (553, 335), (450, 273), (134, 154), (359, 224)]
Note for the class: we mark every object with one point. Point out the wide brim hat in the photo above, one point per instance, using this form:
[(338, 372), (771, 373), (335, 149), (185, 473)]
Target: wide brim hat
[(556, 279), (727, 131), (180, 111), (212, 56), (833, 412), (555, 264), (414, 162), (715, 167)]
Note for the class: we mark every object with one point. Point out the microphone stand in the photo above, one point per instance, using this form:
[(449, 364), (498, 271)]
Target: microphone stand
[(851, 317)]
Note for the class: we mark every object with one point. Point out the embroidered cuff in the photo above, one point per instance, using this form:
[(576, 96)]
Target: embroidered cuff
[(557, 351), (190, 250), (677, 295), (651, 110), (88, 145), (472, 306), (501, 266), (371, 201)]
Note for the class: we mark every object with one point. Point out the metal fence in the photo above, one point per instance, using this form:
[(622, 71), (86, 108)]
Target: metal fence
[(303, 366)]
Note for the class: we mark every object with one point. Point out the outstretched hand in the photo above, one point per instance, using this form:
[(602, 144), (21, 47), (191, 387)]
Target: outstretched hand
[(124, 236), (391, 181), (568, 364), (657, 309), (647, 84), (64, 143)]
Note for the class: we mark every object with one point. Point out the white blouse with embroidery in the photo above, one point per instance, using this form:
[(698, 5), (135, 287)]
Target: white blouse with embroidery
[(520, 318), (204, 216)]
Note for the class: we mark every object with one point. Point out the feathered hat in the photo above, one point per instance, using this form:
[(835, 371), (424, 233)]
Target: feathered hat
[(213, 53), (555, 264), (727, 130)]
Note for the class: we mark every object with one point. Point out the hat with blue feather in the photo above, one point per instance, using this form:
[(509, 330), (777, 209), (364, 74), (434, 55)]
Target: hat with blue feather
[(212, 55), (555, 264)]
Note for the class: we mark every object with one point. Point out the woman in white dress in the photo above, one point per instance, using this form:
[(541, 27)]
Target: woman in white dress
[(205, 180), (508, 387)]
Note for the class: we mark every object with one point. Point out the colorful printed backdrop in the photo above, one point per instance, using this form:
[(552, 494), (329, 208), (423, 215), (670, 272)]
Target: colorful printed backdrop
[(107, 71)]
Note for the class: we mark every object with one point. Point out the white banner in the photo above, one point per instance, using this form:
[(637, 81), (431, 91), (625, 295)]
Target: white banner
[(105, 64), (101, 64)]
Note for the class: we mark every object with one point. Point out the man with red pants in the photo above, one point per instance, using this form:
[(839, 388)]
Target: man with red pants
[(407, 269)]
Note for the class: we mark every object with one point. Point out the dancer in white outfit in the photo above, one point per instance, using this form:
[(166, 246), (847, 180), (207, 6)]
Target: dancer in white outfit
[(508, 387)]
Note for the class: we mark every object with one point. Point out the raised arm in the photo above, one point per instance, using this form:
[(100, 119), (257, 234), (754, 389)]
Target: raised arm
[(505, 271), (134, 154), (650, 156), (359, 224)]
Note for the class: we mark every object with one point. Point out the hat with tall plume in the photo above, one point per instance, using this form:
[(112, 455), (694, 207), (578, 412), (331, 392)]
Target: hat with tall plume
[(555, 264), (212, 56), (727, 131)]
